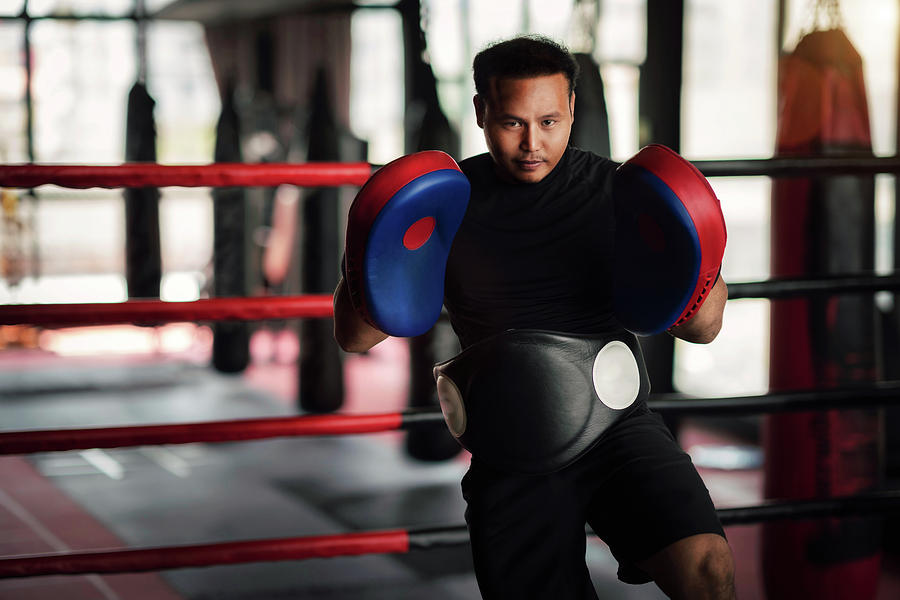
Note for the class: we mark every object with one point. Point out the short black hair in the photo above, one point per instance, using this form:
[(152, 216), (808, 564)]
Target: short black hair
[(522, 57)]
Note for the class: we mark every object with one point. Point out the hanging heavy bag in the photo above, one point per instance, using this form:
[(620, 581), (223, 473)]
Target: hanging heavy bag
[(822, 226)]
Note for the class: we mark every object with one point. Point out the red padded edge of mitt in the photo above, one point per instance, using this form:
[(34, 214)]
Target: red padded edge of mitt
[(387, 180)]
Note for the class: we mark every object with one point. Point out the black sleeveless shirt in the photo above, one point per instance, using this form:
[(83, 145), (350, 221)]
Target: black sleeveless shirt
[(534, 256)]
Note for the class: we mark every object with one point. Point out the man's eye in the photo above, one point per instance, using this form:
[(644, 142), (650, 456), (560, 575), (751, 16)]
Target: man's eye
[(549, 122)]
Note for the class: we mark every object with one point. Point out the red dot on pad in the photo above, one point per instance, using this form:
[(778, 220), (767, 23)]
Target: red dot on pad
[(651, 233), (418, 233)]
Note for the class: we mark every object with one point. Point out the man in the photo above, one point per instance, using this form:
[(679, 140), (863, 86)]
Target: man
[(534, 254)]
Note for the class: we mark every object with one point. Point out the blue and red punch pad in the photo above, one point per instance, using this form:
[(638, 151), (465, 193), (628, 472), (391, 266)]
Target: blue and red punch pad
[(400, 229), (670, 239)]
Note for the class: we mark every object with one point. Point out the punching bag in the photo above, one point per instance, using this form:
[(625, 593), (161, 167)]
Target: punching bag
[(590, 131), (143, 258), (822, 226), (231, 339), (320, 385)]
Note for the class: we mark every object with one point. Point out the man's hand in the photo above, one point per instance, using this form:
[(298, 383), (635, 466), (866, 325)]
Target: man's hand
[(704, 326), (351, 332)]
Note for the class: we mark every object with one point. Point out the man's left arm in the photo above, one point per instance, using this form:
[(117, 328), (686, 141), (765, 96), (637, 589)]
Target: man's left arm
[(704, 326)]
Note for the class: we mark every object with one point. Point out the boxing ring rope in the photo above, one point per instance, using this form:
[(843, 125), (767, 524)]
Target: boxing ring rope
[(778, 288), (796, 166), (51, 440), (871, 396), (309, 306), (314, 306), (212, 175), (202, 555), (55, 440), (396, 541), (332, 174)]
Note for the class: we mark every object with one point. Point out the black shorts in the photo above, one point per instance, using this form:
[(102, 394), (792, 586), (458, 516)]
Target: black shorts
[(637, 489)]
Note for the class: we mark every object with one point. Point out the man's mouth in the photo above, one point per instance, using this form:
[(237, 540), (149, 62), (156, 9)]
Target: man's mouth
[(529, 163)]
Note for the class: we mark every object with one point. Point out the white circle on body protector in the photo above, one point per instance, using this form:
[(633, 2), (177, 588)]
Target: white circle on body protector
[(617, 379), (451, 405)]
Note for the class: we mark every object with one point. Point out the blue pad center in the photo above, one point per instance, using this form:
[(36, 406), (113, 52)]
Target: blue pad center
[(657, 253)]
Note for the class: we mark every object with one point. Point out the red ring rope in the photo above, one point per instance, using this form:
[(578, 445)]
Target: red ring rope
[(214, 175), (54, 440), (154, 559), (155, 311), (376, 542)]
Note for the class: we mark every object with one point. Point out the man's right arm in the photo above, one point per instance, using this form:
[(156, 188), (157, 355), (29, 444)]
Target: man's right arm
[(351, 332)]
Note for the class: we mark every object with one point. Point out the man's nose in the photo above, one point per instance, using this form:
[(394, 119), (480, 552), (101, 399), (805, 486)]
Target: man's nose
[(530, 141)]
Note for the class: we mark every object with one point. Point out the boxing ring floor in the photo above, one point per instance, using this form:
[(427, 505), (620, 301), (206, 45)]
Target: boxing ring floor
[(199, 493)]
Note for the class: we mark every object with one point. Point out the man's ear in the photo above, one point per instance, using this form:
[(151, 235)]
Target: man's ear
[(480, 107), (572, 104)]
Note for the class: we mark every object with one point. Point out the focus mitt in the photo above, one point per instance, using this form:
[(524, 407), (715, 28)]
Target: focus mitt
[(669, 241), (399, 231)]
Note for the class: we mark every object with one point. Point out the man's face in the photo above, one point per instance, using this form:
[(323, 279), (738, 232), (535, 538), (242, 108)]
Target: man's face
[(526, 125)]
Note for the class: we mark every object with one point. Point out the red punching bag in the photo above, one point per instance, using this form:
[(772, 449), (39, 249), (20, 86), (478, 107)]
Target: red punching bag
[(822, 226)]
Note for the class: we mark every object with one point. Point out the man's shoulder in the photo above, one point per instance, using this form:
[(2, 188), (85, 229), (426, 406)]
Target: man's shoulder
[(476, 166), (586, 161)]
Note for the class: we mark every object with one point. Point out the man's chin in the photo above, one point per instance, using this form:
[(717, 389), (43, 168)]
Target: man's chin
[(530, 176), (525, 175)]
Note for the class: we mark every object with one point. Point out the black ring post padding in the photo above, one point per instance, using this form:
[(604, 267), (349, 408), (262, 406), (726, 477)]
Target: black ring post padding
[(881, 394), (796, 166), (789, 288), (438, 537)]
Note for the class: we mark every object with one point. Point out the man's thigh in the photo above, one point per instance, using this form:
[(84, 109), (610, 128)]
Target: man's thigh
[(650, 497), (527, 535)]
